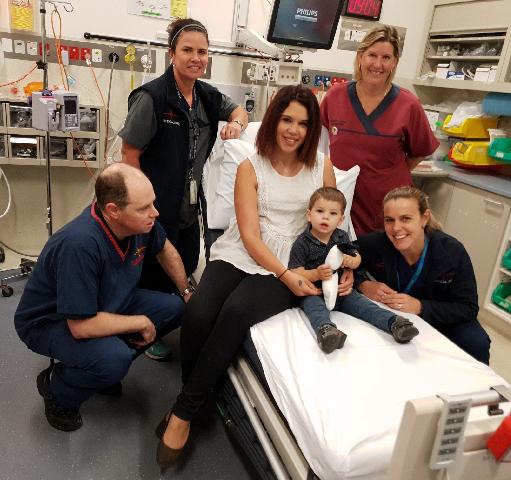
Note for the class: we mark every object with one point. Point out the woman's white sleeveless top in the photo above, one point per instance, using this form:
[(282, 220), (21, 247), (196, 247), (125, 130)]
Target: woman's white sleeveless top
[(282, 203)]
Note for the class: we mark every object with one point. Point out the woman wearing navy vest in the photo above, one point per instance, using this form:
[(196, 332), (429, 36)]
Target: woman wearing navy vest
[(417, 268), (169, 132)]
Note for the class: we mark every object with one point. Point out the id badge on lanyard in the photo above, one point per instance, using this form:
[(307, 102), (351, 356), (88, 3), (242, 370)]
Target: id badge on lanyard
[(192, 185)]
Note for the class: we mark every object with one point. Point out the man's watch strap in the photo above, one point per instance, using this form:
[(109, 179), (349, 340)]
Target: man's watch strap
[(240, 123), (189, 289)]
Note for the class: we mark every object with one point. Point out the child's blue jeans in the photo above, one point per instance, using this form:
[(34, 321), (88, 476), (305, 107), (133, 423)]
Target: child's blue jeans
[(354, 304)]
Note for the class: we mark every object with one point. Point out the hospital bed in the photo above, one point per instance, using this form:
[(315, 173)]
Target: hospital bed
[(368, 411)]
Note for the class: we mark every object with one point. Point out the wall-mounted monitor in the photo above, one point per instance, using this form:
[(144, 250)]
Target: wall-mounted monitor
[(304, 23)]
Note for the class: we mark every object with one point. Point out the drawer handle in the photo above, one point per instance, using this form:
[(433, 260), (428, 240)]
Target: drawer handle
[(494, 203)]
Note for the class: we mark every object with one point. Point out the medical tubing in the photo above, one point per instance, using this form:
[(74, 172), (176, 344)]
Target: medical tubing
[(2, 174), (18, 252)]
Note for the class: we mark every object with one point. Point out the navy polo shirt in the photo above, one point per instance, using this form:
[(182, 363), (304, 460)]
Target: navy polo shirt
[(83, 270), (309, 252)]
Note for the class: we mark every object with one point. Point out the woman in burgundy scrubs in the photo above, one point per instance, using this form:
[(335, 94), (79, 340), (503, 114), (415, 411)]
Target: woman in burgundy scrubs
[(376, 125)]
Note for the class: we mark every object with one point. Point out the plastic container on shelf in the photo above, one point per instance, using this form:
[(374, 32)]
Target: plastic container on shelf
[(500, 149), (473, 127), (506, 260), (501, 296), (473, 155)]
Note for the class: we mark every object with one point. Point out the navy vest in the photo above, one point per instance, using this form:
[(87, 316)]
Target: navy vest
[(165, 160)]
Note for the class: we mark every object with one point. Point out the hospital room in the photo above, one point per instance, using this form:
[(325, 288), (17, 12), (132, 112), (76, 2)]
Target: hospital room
[(255, 239)]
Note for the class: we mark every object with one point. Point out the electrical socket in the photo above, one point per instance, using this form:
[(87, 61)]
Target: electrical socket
[(113, 57), (319, 80), (74, 53), (97, 55), (84, 52)]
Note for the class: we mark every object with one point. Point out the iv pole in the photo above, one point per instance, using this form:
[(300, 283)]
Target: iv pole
[(44, 65)]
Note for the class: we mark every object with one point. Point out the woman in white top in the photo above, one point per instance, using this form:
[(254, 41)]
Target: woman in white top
[(247, 280)]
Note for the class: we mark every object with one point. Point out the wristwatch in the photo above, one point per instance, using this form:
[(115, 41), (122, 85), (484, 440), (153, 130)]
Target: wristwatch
[(239, 122), (189, 289)]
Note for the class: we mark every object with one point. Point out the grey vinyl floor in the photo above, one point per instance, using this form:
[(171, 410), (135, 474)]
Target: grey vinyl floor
[(117, 439)]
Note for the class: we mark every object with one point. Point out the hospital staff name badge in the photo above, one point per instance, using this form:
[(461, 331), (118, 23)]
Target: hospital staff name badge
[(334, 130)]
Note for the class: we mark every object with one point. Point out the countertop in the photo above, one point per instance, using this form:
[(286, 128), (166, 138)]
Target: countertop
[(498, 184)]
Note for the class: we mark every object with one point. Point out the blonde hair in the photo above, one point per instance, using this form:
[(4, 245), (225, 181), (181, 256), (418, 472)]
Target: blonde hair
[(382, 33), (422, 202)]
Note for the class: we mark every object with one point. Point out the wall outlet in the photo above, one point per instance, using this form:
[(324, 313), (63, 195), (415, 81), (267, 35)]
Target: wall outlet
[(32, 48), (84, 52), (318, 80), (74, 53), (97, 55)]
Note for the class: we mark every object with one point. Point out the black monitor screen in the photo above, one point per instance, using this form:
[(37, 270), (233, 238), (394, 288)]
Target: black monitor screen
[(70, 106), (304, 23)]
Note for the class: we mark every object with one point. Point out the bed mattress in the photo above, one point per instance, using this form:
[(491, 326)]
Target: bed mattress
[(344, 409)]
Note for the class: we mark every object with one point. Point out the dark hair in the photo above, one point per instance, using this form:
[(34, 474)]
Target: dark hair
[(331, 194), (184, 25), (111, 188), (422, 202), (265, 139)]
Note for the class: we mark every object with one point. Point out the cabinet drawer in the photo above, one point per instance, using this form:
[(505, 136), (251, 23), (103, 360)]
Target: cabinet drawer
[(478, 219), (477, 15)]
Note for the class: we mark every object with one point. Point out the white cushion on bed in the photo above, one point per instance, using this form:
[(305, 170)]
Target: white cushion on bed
[(220, 173), (344, 409)]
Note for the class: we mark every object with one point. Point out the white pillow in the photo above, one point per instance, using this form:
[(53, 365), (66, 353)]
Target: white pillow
[(221, 209), (249, 134), (346, 180)]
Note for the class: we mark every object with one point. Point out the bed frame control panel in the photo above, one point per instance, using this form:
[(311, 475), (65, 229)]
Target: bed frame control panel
[(450, 432)]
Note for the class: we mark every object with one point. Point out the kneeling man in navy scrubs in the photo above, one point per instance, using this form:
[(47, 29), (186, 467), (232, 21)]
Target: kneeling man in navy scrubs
[(82, 305)]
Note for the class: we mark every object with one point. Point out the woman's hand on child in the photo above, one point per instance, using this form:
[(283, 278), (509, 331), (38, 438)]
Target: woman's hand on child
[(346, 283), (350, 262), (403, 303), (324, 272), (299, 285), (375, 290)]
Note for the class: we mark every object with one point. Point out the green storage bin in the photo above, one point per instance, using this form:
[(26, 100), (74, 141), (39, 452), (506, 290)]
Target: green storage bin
[(501, 296), (506, 261), (500, 149)]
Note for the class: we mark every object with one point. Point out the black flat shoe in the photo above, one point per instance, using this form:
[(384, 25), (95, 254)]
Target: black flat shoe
[(162, 426), (166, 456)]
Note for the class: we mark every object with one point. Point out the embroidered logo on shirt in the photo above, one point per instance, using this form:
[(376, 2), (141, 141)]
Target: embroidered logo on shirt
[(139, 256), (171, 118), (445, 278)]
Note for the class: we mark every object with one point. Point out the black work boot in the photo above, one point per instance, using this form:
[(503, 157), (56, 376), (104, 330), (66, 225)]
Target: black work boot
[(330, 338), (66, 419), (403, 330)]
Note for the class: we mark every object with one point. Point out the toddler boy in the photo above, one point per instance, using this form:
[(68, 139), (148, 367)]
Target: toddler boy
[(308, 254)]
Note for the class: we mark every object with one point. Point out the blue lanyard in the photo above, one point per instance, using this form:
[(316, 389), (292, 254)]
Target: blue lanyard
[(417, 272)]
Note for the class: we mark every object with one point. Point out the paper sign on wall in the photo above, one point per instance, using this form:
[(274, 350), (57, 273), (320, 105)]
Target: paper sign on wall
[(164, 9)]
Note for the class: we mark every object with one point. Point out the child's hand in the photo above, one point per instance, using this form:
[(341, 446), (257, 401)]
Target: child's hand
[(324, 272), (351, 262)]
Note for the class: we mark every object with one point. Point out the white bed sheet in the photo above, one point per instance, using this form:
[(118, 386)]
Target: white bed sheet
[(344, 409)]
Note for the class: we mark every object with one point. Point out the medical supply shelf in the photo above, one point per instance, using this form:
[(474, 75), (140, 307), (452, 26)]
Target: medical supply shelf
[(24, 145), (457, 26), (500, 276), (475, 208)]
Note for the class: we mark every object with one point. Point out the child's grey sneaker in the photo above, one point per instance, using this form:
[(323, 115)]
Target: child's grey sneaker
[(403, 330), (330, 338)]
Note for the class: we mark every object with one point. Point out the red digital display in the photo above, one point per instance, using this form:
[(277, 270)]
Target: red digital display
[(370, 9)]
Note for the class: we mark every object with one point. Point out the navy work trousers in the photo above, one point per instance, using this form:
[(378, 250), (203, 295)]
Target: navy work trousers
[(90, 365)]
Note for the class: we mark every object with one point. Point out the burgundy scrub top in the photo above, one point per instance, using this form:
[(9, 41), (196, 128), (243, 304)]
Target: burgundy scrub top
[(379, 143)]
